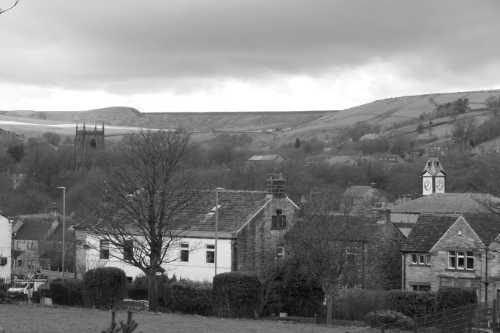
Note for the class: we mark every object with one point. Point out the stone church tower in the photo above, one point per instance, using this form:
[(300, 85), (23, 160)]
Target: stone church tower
[(433, 177), (88, 141)]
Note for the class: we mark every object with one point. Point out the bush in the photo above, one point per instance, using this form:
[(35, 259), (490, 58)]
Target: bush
[(236, 294), (66, 292), (411, 303), (287, 288), (449, 298), (389, 319), (355, 304), (188, 297), (105, 286)]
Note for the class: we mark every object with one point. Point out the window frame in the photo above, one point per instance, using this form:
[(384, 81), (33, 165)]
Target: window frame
[(104, 249), (464, 260), (210, 251), (278, 220), (420, 259), (128, 249), (184, 252)]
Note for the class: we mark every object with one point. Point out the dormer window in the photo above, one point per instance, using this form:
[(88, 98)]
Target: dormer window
[(278, 221)]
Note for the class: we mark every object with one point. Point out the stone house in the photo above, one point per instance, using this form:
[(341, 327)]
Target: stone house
[(435, 200), (37, 243), (250, 235), (5, 249), (455, 250)]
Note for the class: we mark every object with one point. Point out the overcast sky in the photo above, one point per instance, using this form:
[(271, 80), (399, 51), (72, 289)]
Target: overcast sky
[(217, 55)]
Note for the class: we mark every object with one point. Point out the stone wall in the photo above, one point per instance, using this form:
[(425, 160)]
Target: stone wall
[(256, 243)]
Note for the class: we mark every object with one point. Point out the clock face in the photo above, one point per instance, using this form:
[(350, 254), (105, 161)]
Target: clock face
[(427, 182), (440, 184)]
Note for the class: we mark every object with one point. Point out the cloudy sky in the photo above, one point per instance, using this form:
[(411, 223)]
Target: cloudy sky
[(217, 55)]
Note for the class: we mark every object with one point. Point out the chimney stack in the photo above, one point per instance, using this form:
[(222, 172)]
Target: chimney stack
[(276, 185)]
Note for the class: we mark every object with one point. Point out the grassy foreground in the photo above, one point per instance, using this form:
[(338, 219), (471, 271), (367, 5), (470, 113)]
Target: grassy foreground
[(38, 319)]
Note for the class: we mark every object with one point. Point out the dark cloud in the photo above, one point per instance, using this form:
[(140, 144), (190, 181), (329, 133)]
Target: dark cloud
[(93, 43)]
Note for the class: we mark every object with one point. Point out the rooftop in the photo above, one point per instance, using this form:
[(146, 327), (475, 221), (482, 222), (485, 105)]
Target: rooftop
[(448, 203), (430, 228)]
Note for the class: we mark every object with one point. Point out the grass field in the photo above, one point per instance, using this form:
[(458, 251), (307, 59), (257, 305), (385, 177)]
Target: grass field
[(38, 319)]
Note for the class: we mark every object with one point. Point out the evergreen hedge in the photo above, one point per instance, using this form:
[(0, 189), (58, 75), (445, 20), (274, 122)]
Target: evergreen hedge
[(66, 292), (236, 295), (105, 287)]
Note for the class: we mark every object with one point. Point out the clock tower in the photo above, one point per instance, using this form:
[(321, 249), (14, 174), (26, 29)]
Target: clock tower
[(433, 177)]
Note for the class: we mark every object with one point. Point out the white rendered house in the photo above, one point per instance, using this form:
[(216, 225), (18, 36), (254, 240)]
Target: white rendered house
[(250, 235), (5, 249)]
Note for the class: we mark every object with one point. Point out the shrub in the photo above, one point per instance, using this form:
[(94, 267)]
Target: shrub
[(287, 288), (236, 294), (355, 304), (188, 297), (449, 298), (66, 292), (105, 286), (411, 303), (389, 319)]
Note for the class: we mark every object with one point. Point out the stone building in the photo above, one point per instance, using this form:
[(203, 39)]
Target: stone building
[(250, 235), (455, 250), (37, 243), (435, 200), (89, 140)]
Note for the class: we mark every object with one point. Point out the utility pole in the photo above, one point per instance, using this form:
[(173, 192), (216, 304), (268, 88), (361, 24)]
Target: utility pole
[(63, 188), (216, 226)]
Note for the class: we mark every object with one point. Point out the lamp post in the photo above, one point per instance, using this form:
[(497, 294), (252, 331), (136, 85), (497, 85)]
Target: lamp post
[(217, 190), (63, 188)]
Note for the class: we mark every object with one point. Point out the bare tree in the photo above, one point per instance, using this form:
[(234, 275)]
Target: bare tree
[(9, 8), (143, 197), (324, 245)]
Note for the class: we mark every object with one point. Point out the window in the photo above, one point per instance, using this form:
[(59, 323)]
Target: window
[(461, 260), (278, 221), (104, 249), (19, 262), (280, 252), (421, 287), (420, 259), (128, 250), (185, 252), (210, 254), (470, 260), (3, 261)]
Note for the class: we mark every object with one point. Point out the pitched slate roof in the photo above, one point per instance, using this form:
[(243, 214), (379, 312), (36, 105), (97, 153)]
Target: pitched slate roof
[(427, 231), (486, 226), (235, 208), (430, 228), (34, 226), (44, 226), (447, 203)]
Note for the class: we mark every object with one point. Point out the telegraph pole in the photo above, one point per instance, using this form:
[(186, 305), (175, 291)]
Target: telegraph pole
[(63, 188)]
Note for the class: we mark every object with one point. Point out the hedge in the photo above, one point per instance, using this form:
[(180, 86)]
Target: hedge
[(67, 292), (289, 289), (449, 298), (355, 304), (236, 295), (105, 286), (389, 319), (187, 297), (411, 303)]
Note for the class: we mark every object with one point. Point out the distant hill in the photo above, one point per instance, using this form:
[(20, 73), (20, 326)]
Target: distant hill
[(396, 115)]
